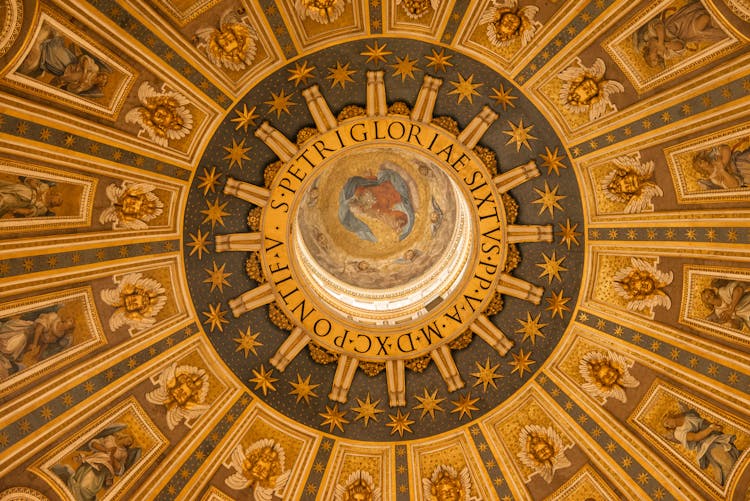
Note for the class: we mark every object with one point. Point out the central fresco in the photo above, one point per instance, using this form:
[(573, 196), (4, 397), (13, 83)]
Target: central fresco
[(391, 223)]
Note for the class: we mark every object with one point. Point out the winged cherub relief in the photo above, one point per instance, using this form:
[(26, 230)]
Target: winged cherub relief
[(506, 22), (631, 183), (585, 90), (641, 283), (182, 390), (232, 45), (261, 467), (132, 206), (163, 115), (136, 299), (606, 375)]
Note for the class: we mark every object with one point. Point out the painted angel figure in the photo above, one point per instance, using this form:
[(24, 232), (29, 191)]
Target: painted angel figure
[(729, 302), (164, 116), (72, 68), (232, 45), (108, 456), (445, 484), (712, 447), (606, 375), (630, 182), (542, 450), (132, 206), (182, 390), (724, 166), (585, 90), (260, 467), (359, 487), (320, 11), (641, 285), (136, 299), (418, 8), (506, 21), (29, 197)]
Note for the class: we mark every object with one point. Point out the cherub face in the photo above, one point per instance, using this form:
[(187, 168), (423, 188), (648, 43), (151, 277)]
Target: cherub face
[(627, 183), (642, 285), (508, 24), (135, 302), (131, 205), (584, 91), (541, 450), (447, 490), (183, 391), (261, 468), (228, 41), (605, 374), (164, 118)]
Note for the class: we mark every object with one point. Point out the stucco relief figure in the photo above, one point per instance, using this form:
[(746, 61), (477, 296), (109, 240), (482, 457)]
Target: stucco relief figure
[(28, 197), (164, 115), (182, 390), (631, 183), (132, 206), (713, 449), (418, 8), (107, 457), (445, 484), (24, 342), (724, 167), (320, 11), (606, 375), (57, 60), (542, 450), (677, 33), (359, 487), (377, 208), (729, 302), (137, 300), (232, 45), (585, 90), (641, 283), (507, 22), (260, 467)]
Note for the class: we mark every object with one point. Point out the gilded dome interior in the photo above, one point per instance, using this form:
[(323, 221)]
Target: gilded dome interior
[(374, 250)]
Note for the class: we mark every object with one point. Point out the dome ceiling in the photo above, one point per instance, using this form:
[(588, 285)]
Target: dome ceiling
[(385, 250)]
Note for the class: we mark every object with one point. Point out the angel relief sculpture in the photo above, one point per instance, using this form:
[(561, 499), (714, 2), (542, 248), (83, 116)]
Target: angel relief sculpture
[(359, 487), (164, 116), (260, 467), (182, 390), (320, 11), (232, 45), (712, 448), (417, 8), (542, 450), (445, 484), (606, 375), (585, 89), (507, 22), (641, 283), (132, 206), (136, 299), (631, 183)]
